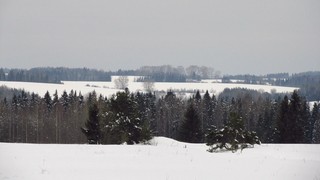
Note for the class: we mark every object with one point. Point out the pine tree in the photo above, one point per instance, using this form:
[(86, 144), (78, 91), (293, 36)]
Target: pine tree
[(48, 100), (34, 129), (92, 126), (293, 120), (123, 124), (315, 118), (305, 122), (64, 100), (4, 121), (207, 110), (265, 124), (151, 112), (198, 96), (283, 126), (296, 123), (296, 132), (232, 136), (144, 107), (190, 130), (55, 98), (171, 115)]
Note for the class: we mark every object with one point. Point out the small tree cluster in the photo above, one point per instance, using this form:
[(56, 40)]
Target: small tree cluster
[(118, 122), (295, 123), (232, 137)]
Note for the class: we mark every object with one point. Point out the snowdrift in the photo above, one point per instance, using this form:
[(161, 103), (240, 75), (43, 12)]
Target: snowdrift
[(163, 159)]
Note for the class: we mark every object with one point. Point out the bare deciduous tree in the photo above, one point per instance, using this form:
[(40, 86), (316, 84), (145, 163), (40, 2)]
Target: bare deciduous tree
[(148, 85), (121, 82)]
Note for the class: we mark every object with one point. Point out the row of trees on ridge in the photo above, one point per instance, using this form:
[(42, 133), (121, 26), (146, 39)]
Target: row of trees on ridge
[(135, 117)]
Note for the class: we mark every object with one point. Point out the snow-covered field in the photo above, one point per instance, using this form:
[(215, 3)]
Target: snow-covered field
[(108, 88), (165, 159)]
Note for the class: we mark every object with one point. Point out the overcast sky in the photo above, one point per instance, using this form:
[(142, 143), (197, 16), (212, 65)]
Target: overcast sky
[(233, 36)]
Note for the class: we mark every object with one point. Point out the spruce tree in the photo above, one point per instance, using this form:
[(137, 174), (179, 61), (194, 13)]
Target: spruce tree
[(296, 123), (232, 136), (48, 100), (190, 130), (283, 126), (198, 96), (305, 122), (123, 124), (144, 109), (293, 120), (315, 119), (171, 115), (208, 108), (266, 121), (92, 126), (64, 100)]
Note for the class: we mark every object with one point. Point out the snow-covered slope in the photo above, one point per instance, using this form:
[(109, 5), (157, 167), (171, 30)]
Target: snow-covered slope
[(164, 159), (107, 88)]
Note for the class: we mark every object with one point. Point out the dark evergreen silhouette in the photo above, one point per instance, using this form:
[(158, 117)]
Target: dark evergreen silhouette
[(266, 121), (296, 123), (231, 137), (315, 123), (190, 129), (283, 122), (208, 107), (123, 124), (294, 120), (92, 126)]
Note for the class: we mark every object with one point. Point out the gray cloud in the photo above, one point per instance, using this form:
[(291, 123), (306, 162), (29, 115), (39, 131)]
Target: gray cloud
[(232, 36)]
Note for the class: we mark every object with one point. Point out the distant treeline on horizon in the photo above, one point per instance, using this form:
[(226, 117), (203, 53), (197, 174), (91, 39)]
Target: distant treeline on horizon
[(173, 74), (308, 82)]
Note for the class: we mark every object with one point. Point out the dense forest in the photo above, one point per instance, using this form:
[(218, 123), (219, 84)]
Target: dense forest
[(128, 117), (164, 73), (54, 75), (309, 83)]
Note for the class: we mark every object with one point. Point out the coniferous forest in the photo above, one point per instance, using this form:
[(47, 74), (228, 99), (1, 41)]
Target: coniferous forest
[(130, 118)]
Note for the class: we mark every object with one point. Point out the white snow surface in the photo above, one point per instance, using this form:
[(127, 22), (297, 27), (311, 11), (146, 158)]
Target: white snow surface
[(108, 88), (164, 159)]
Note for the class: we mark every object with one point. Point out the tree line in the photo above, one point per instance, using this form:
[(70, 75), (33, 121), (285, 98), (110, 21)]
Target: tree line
[(165, 73), (128, 117), (308, 82), (54, 75)]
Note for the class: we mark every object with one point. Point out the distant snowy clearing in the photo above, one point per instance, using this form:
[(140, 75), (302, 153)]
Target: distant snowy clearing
[(108, 88), (164, 159)]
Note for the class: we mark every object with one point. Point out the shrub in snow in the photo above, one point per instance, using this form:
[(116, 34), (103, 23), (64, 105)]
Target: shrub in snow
[(232, 137)]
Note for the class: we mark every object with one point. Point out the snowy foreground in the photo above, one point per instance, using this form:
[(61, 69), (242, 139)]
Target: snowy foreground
[(165, 159)]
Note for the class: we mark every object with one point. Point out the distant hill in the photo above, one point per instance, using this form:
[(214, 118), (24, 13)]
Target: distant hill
[(308, 82)]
